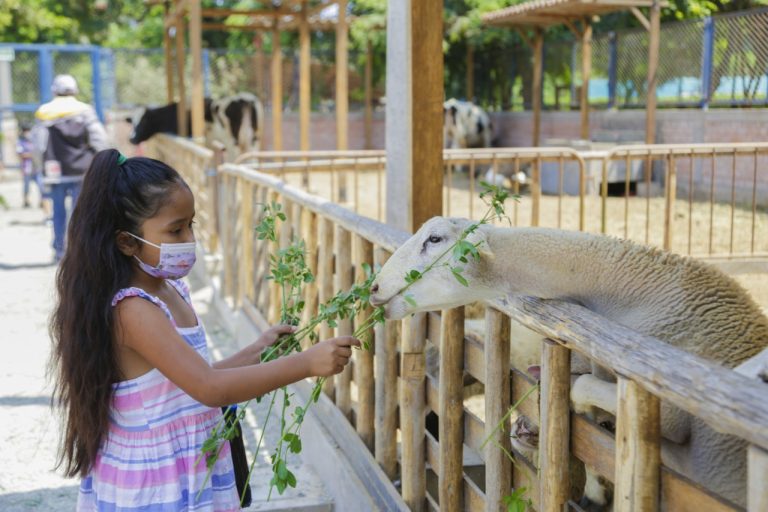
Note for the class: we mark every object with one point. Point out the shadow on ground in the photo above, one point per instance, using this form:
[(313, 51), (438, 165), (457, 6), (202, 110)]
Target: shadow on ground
[(40, 500)]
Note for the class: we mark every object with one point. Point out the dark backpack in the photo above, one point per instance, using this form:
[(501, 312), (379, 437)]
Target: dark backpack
[(68, 144)]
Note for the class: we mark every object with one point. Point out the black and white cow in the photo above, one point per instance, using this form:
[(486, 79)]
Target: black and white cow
[(465, 125), (234, 121)]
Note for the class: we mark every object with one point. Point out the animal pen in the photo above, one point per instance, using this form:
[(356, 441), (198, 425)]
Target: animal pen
[(377, 409)]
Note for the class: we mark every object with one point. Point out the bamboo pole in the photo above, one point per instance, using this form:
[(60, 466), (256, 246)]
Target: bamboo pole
[(451, 410), (586, 69), (670, 194), (363, 253), (538, 57), (274, 289), (638, 449), (387, 336), (757, 471), (498, 467), (412, 410), (309, 235), (197, 92), (181, 55), (277, 89), (554, 433), (304, 78), (344, 271), (325, 281)]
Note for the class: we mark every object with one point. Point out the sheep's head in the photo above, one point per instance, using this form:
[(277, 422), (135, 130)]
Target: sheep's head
[(438, 288)]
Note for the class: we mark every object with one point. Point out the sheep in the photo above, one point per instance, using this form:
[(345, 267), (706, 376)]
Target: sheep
[(681, 301)]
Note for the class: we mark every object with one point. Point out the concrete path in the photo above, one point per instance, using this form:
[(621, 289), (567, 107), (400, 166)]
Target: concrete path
[(29, 428)]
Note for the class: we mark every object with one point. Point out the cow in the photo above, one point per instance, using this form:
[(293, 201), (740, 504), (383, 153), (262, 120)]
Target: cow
[(234, 121), (465, 125)]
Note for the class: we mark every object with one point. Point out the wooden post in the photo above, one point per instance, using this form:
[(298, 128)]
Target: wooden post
[(638, 449), (274, 289), (451, 410), (470, 71), (304, 78), (277, 90), (538, 58), (412, 405), (181, 56), (342, 93), (385, 422), (246, 220), (325, 281), (757, 471), (369, 95), (363, 253), (309, 234), (498, 467), (198, 93), (554, 432), (653, 64), (168, 51), (258, 65), (414, 138), (344, 271), (586, 70)]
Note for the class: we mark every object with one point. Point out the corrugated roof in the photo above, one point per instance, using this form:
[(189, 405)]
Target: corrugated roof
[(552, 12)]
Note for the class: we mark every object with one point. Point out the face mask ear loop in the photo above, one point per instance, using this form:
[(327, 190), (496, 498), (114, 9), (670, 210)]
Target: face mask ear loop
[(145, 241)]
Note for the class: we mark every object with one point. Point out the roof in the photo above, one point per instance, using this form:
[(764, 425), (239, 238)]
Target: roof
[(553, 12)]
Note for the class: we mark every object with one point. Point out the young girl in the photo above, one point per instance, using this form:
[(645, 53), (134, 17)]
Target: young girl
[(133, 374)]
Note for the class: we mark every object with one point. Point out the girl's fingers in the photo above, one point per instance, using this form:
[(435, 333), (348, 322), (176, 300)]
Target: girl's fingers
[(283, 329), (347, 341)]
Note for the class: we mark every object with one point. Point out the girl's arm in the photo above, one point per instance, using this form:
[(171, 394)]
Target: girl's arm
[(143, 327), (252, 353)]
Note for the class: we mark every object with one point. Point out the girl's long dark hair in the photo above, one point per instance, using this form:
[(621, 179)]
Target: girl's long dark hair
[(84, 367)]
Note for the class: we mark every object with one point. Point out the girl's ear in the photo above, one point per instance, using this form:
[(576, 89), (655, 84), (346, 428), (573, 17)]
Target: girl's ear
[(126, 243)]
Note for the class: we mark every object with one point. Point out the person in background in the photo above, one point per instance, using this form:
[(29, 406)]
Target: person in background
[(67, 135), (29, 171)]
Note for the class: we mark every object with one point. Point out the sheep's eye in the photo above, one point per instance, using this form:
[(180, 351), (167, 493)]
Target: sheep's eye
[(434, 239)]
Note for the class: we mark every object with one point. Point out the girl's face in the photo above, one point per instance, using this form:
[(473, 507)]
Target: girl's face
[(172, 224)]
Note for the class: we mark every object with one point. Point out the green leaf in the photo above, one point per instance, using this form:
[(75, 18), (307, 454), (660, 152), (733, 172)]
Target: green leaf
[(410, 300), (291, 479), (457, 274), (282, 470), (295, 445)]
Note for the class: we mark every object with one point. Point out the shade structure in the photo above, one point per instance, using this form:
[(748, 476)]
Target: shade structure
[(577, 16)]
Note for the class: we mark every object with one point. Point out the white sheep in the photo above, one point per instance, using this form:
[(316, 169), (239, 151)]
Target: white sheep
[(678, 300)]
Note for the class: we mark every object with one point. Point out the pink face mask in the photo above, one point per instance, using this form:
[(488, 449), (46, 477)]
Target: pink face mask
[(176, 260)]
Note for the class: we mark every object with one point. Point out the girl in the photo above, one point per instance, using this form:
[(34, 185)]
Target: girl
[(132, 370)]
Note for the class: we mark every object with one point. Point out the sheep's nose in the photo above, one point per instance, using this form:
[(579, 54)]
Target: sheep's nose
[(374, 288)]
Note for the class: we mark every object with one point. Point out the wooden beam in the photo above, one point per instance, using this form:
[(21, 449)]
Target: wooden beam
[(175, 14), (197, 93), (578, 34), (181, 56), (277, 90), (342, 91), (368, 118), (168, 52), (554, 432), (451, 407), (216, 12), (470, 72), (304, 78), (538, 58), (586, 69), (524, 37), (653, 64), (245, 28), (641, 18), (757, 471), (638, 449), (412, 411)]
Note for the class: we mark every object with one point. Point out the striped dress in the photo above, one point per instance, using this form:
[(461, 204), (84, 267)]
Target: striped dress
[(147, 461)]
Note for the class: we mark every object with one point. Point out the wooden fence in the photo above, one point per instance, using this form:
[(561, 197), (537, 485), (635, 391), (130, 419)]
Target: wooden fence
[(393, 396)]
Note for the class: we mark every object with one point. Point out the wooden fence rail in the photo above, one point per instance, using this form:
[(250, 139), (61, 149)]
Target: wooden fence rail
[(394, 394)]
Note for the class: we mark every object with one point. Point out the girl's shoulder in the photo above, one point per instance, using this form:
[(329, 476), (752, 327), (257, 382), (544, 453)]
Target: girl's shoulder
[(134, 291)]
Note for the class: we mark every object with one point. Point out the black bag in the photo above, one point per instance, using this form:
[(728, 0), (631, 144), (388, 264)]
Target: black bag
[(239, 459)]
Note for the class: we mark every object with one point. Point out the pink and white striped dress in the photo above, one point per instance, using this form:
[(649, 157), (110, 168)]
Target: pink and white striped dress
[(147, 461)]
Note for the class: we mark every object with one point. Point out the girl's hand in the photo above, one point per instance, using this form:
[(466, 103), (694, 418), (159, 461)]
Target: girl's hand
[(330, 356), (271, 335)]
